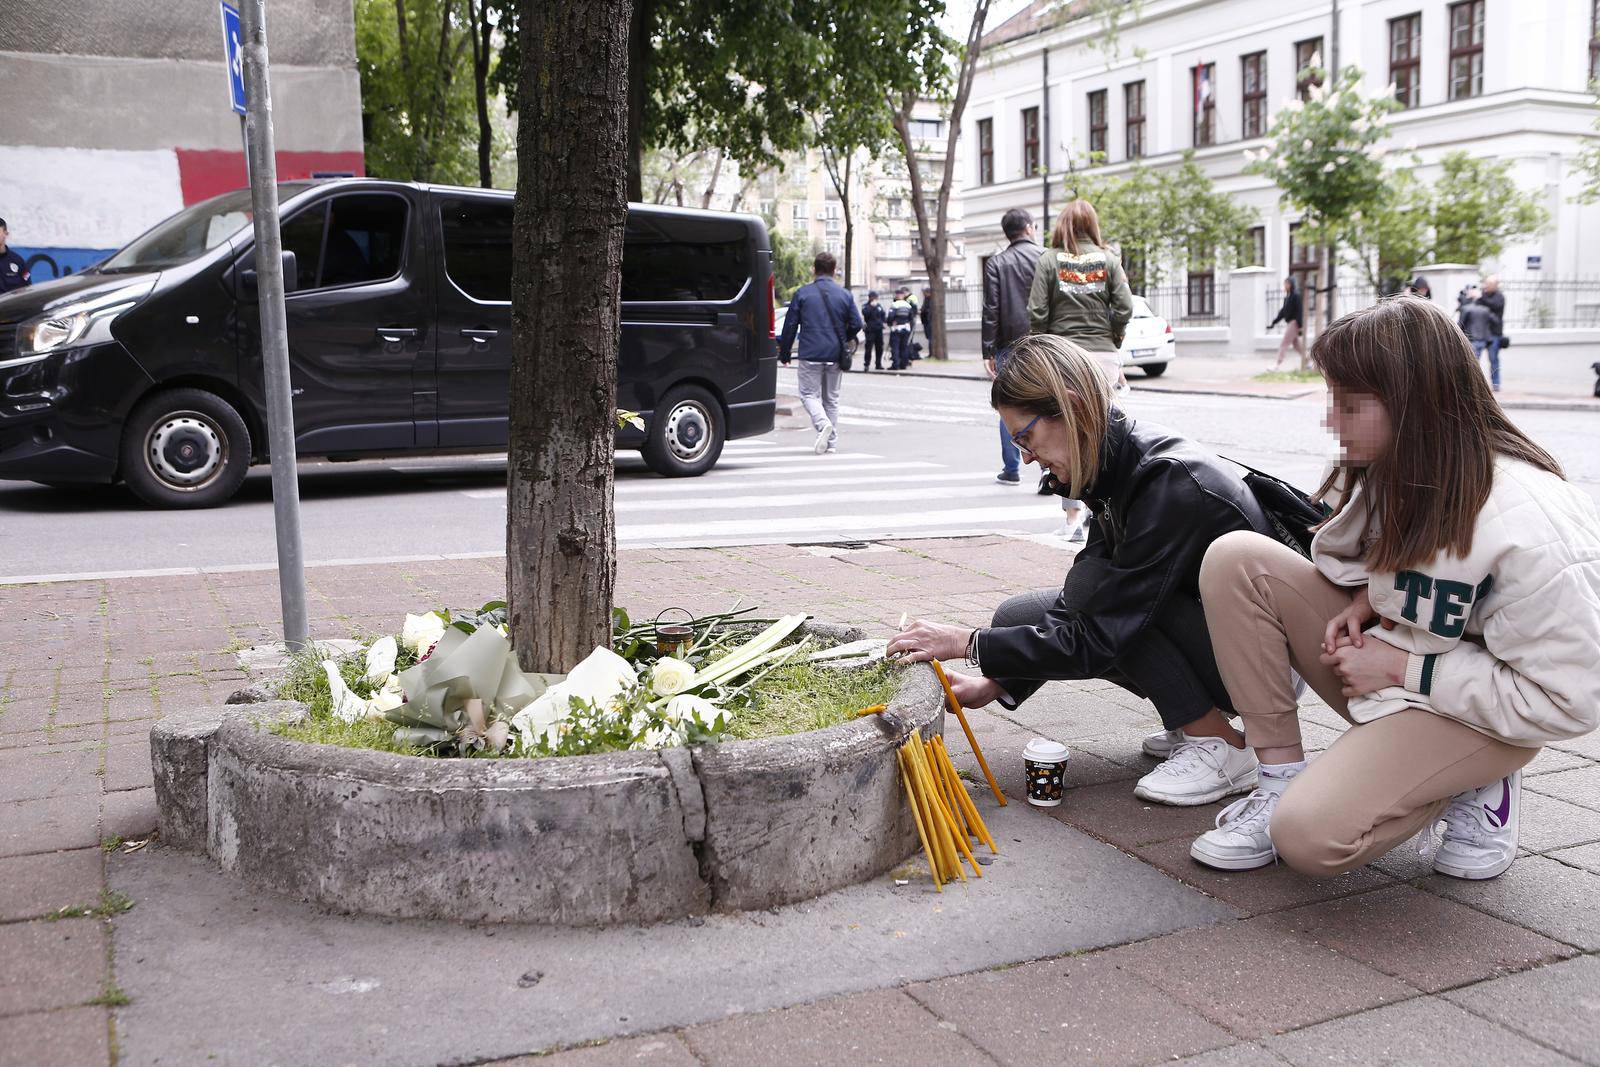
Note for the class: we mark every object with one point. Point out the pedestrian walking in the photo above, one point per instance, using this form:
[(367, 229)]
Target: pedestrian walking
[(1292, 314), (1495, 301), (13, 270), (1007, 279), (1129, 610), (902, 315), (825, 319), (1461, 539), (872, 318), (926, 315), (1419, 286), (1477, 321), (1080, 292)]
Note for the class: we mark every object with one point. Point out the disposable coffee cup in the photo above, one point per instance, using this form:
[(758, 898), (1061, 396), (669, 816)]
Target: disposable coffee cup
[(1045, 763)]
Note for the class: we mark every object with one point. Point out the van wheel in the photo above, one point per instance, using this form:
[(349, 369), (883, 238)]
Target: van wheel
[(1154, 370), (186, 448), (686, 433)]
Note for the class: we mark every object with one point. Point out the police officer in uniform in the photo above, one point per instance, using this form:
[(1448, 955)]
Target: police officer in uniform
[(13, 271)]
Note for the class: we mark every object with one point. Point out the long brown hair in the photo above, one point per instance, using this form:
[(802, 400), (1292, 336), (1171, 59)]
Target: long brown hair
[(1044, 374), (1077, 224), (1430, 484)]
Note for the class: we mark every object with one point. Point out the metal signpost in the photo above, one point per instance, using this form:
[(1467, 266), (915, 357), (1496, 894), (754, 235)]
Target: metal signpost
[(247, 79)]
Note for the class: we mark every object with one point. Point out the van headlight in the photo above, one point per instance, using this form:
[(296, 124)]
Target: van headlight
[(75, 325)]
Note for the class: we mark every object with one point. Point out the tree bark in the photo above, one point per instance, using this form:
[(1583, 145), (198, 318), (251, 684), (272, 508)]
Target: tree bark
[(478, 15), (711, 186), (571, 205), (934, 243)]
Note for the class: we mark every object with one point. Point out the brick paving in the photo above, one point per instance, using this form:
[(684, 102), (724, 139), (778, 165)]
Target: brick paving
[(1387, 963)]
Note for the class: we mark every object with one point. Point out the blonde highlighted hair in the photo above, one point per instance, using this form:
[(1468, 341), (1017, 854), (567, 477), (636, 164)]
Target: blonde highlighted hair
[(1044, 374), (1077, 228)]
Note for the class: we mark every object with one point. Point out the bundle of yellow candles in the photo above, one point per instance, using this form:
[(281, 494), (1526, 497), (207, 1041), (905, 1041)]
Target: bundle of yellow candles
[(947, 819)]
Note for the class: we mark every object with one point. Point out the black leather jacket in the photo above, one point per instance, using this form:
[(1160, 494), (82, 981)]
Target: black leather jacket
[(1007, 278), (1159, 502)]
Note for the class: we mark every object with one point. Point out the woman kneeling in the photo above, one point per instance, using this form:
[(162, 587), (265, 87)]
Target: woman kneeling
[(1481, 566)]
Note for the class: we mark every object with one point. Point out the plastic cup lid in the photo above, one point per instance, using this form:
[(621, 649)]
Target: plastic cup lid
[(1043, 750)]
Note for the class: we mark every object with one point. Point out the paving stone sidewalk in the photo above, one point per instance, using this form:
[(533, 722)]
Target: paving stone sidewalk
[(1390, 963)]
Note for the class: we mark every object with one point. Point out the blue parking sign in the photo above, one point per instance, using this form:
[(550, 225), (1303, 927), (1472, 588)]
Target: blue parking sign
[(230, 44)]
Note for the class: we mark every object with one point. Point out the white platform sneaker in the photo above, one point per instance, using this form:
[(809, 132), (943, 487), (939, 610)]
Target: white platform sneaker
[(1241, 841), (1199, 771), (1480, 830)]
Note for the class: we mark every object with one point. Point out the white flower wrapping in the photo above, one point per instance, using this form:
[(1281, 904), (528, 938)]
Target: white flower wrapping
[(421, 632), (598, 679)]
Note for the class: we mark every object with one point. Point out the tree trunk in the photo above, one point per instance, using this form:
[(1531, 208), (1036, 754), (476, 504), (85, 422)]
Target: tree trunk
[(934, 244), (571, 204), (478, 12), (711, 186), (849, 224)]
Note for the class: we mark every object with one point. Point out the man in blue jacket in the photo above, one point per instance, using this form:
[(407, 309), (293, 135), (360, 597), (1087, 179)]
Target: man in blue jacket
[(826, 319)]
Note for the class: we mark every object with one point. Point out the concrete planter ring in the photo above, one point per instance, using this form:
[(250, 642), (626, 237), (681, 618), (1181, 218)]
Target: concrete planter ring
[(581, 840)]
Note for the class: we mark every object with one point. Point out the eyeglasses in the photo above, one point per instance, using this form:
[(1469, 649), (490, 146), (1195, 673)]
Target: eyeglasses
[(1018, 437)]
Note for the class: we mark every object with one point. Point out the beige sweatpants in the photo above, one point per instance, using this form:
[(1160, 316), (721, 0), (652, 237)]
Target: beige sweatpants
[(1267, 608)]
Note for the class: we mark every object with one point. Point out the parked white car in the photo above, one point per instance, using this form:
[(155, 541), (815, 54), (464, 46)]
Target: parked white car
[(1149, 343)]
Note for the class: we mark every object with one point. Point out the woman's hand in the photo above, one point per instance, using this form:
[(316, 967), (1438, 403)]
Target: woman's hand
[(972, 690), (1347, 625), (1366, 668), (922, 641)]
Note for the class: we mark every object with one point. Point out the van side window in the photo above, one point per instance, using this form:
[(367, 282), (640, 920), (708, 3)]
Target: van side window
[(477, 247), (658, 266), (302, 235), (366, 236)]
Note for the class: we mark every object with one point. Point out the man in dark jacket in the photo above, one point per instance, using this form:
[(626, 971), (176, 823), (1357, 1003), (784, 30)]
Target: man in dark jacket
[(1495, 301), (825, 318), (1007, 277), (872, 319), (1477, 321), (13, 270), (902, 316), (926, 315)]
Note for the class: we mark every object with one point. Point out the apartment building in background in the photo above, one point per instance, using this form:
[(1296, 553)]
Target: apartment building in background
[(1500, 79)]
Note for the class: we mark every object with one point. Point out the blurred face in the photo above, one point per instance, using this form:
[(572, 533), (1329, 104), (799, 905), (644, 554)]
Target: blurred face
[(1491, 285), (1047, 441), (4, 233), (1361, 423), (1288, 286)]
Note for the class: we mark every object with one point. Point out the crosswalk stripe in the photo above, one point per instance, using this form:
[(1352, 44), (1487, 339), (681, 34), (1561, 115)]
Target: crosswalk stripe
[(659, 487), (811, 525), (724, 473), (1005, 499)]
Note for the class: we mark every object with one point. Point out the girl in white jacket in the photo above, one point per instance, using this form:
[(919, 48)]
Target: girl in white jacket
[(1479, 564)]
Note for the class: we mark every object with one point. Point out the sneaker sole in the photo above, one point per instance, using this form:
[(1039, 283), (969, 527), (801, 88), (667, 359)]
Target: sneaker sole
[(1156, 753), (821, 444), (1478, 874), (1233, 863), (1188, 801)]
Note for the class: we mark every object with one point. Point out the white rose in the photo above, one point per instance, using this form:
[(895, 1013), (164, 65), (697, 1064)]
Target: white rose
[(422, 632), (690, 708), (670, 676), (382, 701), (380, 660)]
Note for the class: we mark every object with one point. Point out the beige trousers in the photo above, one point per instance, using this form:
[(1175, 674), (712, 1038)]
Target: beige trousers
[(1267, 608), (1291, 339)]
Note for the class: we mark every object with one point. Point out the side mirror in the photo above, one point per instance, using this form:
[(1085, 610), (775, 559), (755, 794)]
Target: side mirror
[(291, 275)]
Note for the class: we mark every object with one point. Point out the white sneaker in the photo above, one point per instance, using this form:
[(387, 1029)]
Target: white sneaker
[(1199, 771), (1160, 744), (1480, 830), (824, 435), (1242, 840)]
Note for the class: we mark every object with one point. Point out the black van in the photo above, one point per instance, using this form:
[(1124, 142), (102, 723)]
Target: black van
[(147, 366)]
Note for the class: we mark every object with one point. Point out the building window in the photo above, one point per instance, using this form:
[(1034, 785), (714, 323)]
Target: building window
[(800, 212), (1405, 59), (1202, 294), (986, 149), (1255, 94), (1466, 49), (1030, 141), (1133, 111), (1097, 122), (1204, 79), (1307, 55), (1256, 247), (1594, 43), (1305, 267), (927, 128)]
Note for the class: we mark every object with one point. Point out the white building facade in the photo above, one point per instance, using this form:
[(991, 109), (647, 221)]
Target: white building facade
[(1500, 79)]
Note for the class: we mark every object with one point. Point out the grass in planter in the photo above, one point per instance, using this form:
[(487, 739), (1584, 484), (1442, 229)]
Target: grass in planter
[(801, 697)]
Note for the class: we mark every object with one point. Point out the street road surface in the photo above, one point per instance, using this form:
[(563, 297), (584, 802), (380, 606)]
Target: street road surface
[(917, 458)]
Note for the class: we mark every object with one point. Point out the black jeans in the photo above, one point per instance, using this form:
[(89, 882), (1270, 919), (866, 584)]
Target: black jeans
[(874, 343), (1171, 665)]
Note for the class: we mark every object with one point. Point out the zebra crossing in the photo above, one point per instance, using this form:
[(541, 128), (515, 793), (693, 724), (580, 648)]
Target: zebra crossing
[(766, 492)]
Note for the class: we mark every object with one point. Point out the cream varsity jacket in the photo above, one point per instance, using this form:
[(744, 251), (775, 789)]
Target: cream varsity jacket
[(1506, 640)]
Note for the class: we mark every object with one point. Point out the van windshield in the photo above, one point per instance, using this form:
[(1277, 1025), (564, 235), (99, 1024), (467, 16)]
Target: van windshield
[(192, 232)]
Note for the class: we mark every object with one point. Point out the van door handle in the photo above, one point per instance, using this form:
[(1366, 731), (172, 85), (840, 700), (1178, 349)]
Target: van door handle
[(393, 334), (480, 335)]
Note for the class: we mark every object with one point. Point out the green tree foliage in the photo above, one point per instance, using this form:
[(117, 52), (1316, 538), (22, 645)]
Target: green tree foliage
[(417, 100), (1166, 218), (1478, 210), (791, 261), (1393, 235), (1324, 153)]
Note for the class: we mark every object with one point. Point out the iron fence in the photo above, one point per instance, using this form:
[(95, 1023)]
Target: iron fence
[(1198, 301), (1551, 303)]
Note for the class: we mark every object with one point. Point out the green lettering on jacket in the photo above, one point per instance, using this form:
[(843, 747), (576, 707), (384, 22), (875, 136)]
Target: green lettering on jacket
[(1416, 586), (1452, 601)]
